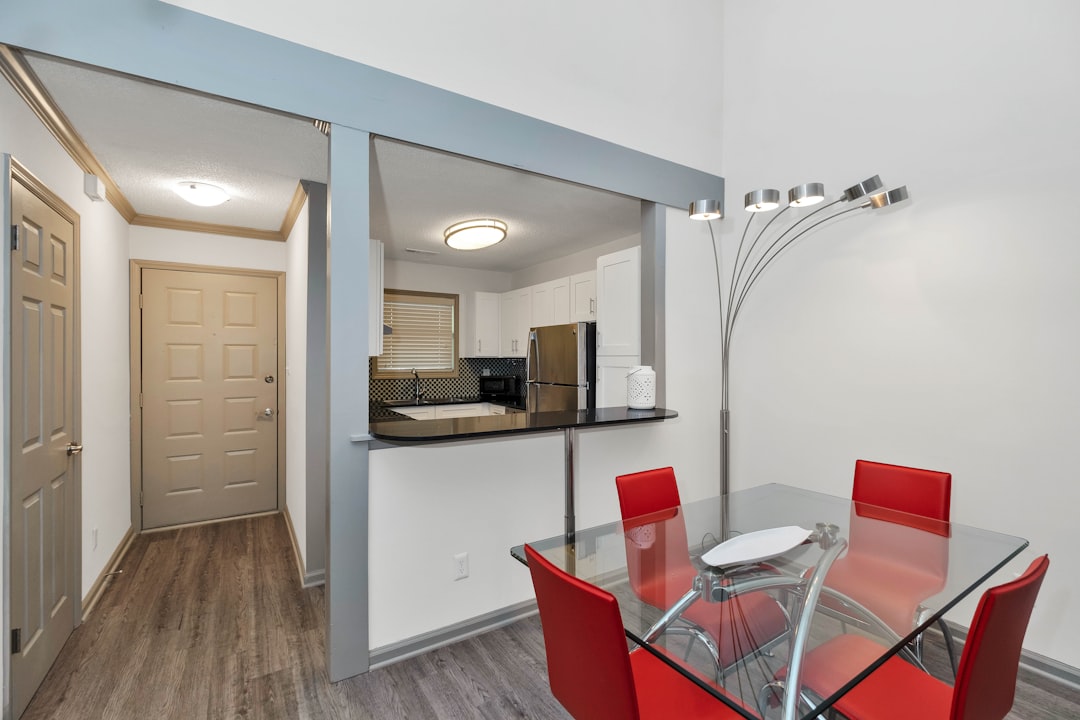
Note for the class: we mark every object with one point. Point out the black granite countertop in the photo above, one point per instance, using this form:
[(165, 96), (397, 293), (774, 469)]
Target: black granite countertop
[(410, 432)]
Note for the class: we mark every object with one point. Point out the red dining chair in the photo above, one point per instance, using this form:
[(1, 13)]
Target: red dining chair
[(985, 682), (590, 671), (921, 494), (660, 573), (912, 490)]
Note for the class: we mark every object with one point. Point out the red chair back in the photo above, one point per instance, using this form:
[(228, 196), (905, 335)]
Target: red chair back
[(910, 490), (588, 663), (986, 680), (657, 558), (647, 492)]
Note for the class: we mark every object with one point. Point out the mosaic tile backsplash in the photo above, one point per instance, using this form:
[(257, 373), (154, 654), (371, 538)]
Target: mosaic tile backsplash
[(464, 385)]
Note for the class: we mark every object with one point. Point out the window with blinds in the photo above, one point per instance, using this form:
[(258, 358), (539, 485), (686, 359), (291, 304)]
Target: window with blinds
[(423, 335)]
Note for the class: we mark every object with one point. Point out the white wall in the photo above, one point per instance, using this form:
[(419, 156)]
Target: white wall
[(296, 252), (104, 321), (942, 335), (403, 275), (176, 246), (578, 262), (604, 68)]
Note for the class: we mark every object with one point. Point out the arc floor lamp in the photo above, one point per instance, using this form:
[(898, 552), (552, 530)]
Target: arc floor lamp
[(775, 236)]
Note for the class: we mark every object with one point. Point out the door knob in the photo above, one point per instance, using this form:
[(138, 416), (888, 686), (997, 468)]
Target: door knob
[(268, 412), (74, 448)]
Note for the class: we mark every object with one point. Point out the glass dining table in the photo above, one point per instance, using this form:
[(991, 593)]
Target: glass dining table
[(829, 565)]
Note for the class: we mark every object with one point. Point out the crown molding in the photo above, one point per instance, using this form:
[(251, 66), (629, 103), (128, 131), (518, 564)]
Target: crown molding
[(297, 204), (14, 68), (200, 227)]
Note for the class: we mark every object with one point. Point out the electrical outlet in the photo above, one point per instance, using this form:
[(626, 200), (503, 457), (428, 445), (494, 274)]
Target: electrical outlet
[(461, 566), (93, 539)]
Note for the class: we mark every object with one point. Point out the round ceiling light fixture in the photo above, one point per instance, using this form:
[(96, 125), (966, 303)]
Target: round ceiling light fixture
[(200, 193), (475, 234)]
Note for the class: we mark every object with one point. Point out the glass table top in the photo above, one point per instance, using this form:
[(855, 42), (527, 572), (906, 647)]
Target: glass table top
[(798, 568)]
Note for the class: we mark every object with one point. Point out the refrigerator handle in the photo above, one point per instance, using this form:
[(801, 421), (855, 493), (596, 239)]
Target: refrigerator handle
[(528, 357)]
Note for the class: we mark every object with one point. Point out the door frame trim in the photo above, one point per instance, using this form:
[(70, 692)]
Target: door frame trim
[(135, 369), (12, 169)]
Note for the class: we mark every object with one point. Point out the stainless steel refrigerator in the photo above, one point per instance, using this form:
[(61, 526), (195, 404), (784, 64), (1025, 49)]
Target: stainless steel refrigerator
[(560, 367)]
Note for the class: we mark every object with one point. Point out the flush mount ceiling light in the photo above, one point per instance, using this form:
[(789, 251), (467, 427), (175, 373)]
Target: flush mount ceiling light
[(200, 193), (475, 234)]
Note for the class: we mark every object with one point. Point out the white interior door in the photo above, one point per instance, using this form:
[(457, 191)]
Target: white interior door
[(209, 385)]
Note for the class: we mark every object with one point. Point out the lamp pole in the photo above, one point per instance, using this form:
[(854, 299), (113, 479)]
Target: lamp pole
[(762, 251)]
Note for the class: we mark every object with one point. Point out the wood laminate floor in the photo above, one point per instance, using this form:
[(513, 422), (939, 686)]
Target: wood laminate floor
[(211, 622)]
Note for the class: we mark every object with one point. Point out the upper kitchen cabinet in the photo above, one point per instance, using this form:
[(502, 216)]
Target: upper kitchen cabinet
[(550, 303), (481, 326), (618, 301), (583, 297), (515, 318)]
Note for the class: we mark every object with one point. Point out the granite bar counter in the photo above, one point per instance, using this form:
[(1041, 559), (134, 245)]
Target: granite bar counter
[(411, 432)]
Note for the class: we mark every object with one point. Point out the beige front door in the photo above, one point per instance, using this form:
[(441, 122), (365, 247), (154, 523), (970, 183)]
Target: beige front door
[(44, 459), (210, 396)]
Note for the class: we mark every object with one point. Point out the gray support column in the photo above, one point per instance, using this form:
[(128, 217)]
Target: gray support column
[(347, 374), (653, 293), (317, 400)]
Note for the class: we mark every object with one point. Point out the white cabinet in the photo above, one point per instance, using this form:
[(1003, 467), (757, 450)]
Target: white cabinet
[(583, 297), (618, 303), (375, 298), (515, 318), (611, 372), (550, 303), (481, 326)]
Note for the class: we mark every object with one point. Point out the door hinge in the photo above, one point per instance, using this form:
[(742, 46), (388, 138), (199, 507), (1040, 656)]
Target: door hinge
[(16, 641), (140, 301), (140, 498), (14, 237), (140, 399)]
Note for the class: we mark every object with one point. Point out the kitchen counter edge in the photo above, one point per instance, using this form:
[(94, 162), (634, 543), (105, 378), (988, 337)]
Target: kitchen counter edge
[(413, 432)]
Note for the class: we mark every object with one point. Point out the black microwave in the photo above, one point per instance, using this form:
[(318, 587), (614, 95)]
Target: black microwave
[(498, 386)]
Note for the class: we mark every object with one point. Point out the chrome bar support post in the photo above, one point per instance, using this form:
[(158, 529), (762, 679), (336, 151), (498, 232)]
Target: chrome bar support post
[(568, 490)]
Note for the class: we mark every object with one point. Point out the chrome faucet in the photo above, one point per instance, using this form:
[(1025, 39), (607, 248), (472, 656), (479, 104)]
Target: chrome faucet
[(416, 386)]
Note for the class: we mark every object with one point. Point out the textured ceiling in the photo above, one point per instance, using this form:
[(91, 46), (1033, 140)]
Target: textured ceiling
[(149, 137), (417, 193)]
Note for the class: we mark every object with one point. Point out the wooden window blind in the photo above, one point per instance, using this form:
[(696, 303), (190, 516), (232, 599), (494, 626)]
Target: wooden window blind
[(423, 334)]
